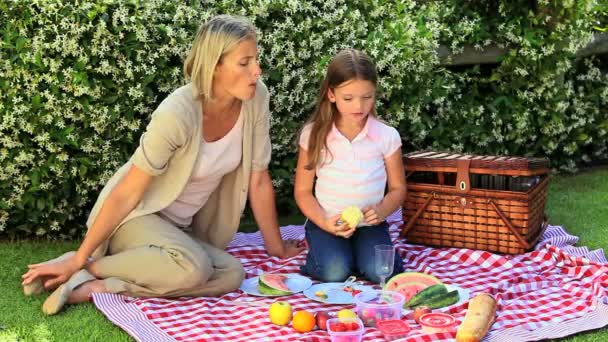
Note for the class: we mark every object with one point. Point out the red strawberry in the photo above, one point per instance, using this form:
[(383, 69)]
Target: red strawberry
[(340, 327), (351, 326)]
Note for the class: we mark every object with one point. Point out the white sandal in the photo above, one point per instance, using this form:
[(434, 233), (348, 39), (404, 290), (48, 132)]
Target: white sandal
[(59, 297)]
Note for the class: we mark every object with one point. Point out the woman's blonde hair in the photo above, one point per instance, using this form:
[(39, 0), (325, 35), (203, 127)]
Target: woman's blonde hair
[(214, 38), (347, 65)]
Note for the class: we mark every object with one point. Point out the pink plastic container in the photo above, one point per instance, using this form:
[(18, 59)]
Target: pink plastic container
[(343, 330), (436, 322), (393, 329), (376, 305)]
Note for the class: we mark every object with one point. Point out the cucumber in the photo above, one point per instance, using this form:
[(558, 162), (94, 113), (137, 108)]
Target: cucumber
[(426, 294), (441, 300)]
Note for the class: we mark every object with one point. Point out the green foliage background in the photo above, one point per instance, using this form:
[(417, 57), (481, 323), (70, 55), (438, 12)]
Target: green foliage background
[(79, 79)]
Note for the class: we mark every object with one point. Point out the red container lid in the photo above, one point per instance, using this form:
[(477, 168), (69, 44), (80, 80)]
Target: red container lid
[(392, 327)]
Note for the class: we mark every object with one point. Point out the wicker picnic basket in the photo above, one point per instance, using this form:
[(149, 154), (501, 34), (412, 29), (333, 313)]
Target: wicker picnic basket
[(471, 201)]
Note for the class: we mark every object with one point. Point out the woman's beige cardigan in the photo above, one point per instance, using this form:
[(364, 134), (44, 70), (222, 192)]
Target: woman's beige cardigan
[(168, 150)]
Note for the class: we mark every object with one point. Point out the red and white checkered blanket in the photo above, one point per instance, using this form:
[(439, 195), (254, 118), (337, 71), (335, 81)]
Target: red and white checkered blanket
[(554, 291)]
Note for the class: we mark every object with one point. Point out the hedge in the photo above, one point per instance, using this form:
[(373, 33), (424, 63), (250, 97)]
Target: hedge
[(79, 79)]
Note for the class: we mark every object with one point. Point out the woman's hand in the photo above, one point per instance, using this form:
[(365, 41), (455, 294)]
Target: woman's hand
[(59, 272), (372, 215), (292, 247), (335, 226)]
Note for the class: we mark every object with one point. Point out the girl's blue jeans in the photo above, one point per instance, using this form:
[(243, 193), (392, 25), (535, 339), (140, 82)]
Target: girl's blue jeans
[(333, 258)]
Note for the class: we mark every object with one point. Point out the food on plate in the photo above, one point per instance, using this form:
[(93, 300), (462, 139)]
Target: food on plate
[(419, 311), (273, 284), (280, 313), (303, 321), (410, 283), (478, 319), (321, 294), (426, 294), (351, 290), (322, 317), (435, 322), (352, 216)]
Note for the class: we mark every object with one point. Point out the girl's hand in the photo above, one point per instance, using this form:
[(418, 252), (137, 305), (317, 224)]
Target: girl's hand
[(59, 272), (372, 215), (334, 225)]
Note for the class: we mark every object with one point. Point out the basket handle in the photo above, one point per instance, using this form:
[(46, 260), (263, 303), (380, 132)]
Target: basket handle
[(506, 220), (463, 179), (419, 212)]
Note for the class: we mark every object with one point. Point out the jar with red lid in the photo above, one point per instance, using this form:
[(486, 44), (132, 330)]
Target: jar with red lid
[(436, 322)]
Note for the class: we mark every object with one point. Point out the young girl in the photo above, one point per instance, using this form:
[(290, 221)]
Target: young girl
[(349, 155)]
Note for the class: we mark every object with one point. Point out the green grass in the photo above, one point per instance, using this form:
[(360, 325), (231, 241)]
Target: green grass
[(576, 202)]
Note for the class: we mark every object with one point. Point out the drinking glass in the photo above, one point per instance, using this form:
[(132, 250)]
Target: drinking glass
[(385, 261)]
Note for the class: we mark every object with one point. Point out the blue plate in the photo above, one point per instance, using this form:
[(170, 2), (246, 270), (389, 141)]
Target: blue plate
[(335, 293), (295, 282)]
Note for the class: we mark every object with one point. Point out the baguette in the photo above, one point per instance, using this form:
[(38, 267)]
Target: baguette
[(478, 319)]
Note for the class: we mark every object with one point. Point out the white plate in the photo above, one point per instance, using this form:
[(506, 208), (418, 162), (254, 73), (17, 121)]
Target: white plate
[(463, 295), (335, 293), (295, 282)]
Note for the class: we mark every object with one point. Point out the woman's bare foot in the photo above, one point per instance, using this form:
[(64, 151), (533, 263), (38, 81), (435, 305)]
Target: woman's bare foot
[(83, 292)]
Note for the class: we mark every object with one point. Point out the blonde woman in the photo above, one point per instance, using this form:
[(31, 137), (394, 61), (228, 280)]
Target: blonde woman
[(161, 224)]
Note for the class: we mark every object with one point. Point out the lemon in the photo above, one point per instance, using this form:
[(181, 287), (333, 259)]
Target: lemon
[(346, 314), (352, 216)]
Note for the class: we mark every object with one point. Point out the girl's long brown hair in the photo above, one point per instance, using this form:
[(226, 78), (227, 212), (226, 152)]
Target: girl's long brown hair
[(347, 65)]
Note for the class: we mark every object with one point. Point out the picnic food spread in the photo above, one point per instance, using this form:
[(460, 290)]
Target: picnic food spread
[(352, 216), (382, 309), (478, 319)]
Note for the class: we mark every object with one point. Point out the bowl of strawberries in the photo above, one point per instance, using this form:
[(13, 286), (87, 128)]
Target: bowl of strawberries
[(345, 329)]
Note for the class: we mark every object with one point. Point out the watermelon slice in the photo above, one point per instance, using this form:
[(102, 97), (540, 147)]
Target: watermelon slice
[(273, 284), (409, 290), (410, 283)]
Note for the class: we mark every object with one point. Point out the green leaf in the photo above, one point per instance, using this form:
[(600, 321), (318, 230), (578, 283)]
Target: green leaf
[(40, 204), (36, 101), (20, 43), (35, 178)]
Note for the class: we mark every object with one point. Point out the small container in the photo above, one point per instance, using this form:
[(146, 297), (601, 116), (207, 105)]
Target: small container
[(376, 305), (436, 322), (393, 329), (344, 330)]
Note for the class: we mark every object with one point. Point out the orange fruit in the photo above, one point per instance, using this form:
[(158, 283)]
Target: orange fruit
[(303, 321)]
